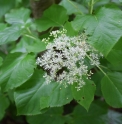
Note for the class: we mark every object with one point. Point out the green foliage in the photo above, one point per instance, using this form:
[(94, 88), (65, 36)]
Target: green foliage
[(1, 61), (97, 114), (5, 6), (96, 78), (53, 115), (101, 27), (114, 93), (114, 117), (16, 70), (4, 103), (117, 60), (86, 95), (37, 90), (20, 16), (22, 82), (10, 34), (55, 16), (73, 7), (28, 44), (2, 26)]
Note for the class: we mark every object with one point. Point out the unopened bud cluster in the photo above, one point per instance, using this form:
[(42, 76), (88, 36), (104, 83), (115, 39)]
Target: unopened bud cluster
[(65, 59)]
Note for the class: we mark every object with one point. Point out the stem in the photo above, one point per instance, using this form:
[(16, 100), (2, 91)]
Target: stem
[(91, 6), (51, 29), (29, 31), (31, 37), (100, 69), (96, 65)]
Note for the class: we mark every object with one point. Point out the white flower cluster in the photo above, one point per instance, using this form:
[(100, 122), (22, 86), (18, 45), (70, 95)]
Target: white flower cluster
[(64, 59)]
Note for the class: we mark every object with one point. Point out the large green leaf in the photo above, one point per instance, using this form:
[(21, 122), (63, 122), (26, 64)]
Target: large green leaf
[(52, 116), (115, 57), (86, 94), (104, 27), (73, 7), (97, 114), (35, 95), (54, 16), (10, 34), (5, 6), (112, 89), (4, 103), (16, 70), (18, 16)]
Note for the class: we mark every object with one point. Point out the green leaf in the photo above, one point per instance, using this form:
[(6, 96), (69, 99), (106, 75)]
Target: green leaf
[(2, 26), (86, 94), (115, 67), (73, 7), (11, 95), (97, 114), (37, 47), (2, 54), (4, 103), (115, 57), (16, 69), (18, 16), (27, 44), (5, 6), (112, 89), (53, 116), (61, 94), (104, 27), (22, 45), (114, 117), (1, 59), (53, 16), (30, 99), (97, 77), (118, 45), (70, 30), (10, 34), (100, 3)]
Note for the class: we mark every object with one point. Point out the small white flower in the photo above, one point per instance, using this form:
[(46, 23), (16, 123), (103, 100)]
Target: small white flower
[(65, 59)]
